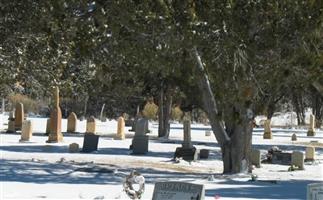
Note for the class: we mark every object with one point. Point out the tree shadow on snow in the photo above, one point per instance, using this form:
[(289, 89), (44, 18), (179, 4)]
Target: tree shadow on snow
[(293, 189)]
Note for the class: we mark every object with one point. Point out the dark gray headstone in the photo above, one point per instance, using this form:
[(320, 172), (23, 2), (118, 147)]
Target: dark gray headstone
[(140, 144), (178, 190), (90, 143), (188, 154), (281, 158), (204, 153)]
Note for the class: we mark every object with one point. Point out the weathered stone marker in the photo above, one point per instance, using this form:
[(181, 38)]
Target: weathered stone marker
[(26, 131), (55, 134), (90, 126), (178, 190), (311, 129), (120, 129), (310, 153), (187, 151), (19, 116), (71, 123), (207, 133), (11, 123), (140, 141), (74, 148), (267, 132), (294, 137), (255, 157), (298, 159), (315, 191)]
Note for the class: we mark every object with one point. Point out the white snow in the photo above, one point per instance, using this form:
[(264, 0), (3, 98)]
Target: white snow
[(37, 169)]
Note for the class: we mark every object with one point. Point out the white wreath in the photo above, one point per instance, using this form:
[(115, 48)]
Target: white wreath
[(134, 178)]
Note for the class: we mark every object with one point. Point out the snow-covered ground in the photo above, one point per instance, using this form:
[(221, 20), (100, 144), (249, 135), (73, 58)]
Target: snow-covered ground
[(40, 170)]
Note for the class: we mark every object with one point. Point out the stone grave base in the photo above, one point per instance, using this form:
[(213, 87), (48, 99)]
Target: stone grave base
[(188, 154), (140, 144), (268, 135), (90, 143)]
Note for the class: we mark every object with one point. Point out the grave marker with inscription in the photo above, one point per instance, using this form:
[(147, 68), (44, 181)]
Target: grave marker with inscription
[(178, 190)]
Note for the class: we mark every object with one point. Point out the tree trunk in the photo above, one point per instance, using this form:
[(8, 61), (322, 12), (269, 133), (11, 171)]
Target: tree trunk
[(235, 140), (165, 107)]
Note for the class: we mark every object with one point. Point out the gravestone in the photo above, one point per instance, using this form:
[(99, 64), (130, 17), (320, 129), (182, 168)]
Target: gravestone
[(71, 123), (207, 133), (294, 137), (310, 153), (315, 191), (74, 148), (19, 116), (187, 151), (90, 143), (204, 153), (11, 123), (90, 126), (298, 159), (267, 130), (178, 190), (26, 131), (55, 134), (120, 129), (255, 157), (140, 140), (311, 129), (48, 126)]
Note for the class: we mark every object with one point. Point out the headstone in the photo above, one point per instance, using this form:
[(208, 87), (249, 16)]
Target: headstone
[(55, 134), (255, 157), (120, 128), (140, 140), (310, 153), (11, 123), (298, 159), (48, 126), (71, 123), (26, 131), (90, 143), (267, 130), (91, 125), (187, 151), (178, 190), (311, 129), (207, 133), (204, 153), (294, 137), (74, 148), (283, 158), (19, 116), (315, 191)]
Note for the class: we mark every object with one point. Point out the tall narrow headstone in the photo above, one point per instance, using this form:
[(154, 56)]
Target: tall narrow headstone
[(26, 131), (311, 129), (71, 123), (310, 153), (19, 116), (90, 126), (140, 140), (120, 130), (187, 151), (55, 134), (11, 123), (267, 132)]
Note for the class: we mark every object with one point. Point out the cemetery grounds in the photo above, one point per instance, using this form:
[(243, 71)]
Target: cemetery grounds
[(37, 169)]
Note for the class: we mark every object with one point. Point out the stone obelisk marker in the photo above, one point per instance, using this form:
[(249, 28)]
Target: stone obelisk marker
[(55, 134)]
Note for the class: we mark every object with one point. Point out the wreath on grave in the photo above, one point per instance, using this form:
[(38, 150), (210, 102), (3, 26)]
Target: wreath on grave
[(134, 178)]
